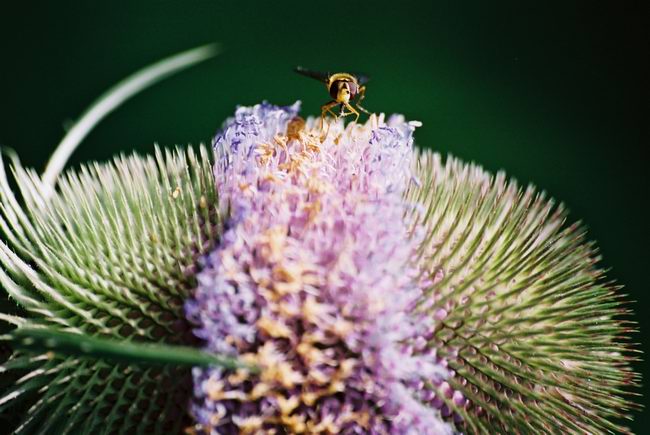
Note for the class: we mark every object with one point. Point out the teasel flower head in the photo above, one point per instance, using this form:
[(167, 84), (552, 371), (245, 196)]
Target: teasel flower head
[(382, 291), (317, 279), (314, 281)]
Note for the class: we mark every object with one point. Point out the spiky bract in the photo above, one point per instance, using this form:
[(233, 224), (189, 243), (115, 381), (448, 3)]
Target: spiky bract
[(111, 254), (536, 337)]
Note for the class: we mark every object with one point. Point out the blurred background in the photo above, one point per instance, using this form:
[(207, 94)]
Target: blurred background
[(553, 93)]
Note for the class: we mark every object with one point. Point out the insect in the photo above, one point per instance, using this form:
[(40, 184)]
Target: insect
[(344, 88)]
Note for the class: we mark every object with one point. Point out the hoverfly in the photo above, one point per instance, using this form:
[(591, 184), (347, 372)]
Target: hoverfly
[(343, 88)]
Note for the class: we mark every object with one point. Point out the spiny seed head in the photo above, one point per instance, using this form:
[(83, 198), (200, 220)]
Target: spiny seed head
[(372, 286), (112, 254), (381, 290)]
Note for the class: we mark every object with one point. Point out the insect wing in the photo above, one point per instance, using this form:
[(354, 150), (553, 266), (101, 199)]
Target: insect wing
[(320, 76), (362, 79)]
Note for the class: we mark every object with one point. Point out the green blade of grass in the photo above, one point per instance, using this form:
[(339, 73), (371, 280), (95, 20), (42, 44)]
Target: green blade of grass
[(71, 344)]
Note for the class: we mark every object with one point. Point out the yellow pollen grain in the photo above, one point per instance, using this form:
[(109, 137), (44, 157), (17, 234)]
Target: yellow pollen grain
[(277, 371), (309, 275), (251, 358), (271, 178), (268, 355), (260, 276), (214, 388), (313, 209), (265, 152), (295, 423), (310, 397), (326, 425), (313, 311), (281, 141), (287, 278), (261, 389), (238, 377), (292, 166), (318, 376), (310, 354), (342, 328), (274, 239), (336, 387), (312, 146), (316, 336), (249, 425), (273, 327), (317, 185), (232, 271), (287, 405), (346, 367), (287, 376), (287, 309), (270, 295), (361, 418)]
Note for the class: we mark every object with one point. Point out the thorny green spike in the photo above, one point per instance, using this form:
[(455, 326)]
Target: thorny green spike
[(529, 328), (110, 255)]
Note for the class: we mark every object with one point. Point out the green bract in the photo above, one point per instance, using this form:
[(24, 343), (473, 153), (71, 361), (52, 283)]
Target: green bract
[(531, 327), (111, 254)]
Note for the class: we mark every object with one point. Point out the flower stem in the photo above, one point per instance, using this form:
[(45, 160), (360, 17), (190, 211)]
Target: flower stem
[(112, 99)]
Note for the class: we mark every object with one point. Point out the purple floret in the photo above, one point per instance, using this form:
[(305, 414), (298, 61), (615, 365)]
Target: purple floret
[(314, 282)]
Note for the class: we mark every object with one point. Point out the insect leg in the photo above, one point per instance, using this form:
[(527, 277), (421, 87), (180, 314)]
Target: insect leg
[(343, 113), (352, 111), (325, 108), (362, 95), (362, 109)]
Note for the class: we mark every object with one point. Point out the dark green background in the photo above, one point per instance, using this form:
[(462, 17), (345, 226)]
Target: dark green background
[(553, 93)]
